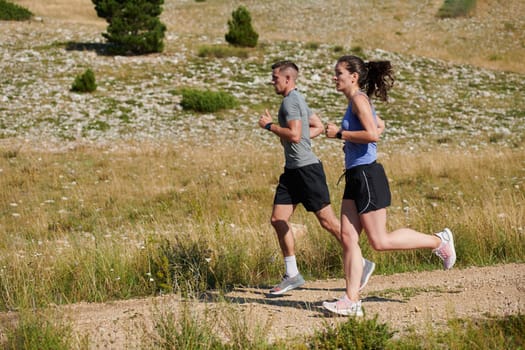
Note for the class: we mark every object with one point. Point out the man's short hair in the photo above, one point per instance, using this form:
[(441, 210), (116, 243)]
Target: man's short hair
[(281, 65)]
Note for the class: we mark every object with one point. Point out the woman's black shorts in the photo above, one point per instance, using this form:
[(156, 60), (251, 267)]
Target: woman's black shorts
[(306, 185), (368, 186)]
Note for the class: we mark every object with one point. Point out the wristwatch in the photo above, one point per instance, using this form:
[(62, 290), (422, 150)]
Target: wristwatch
[(339, 134)]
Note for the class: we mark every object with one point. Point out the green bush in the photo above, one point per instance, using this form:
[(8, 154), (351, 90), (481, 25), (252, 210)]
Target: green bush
[(134, 25), (456, 8), (13, 12), (207, 101), (353, 334), (241, 32), (183, 267), (85, 82)]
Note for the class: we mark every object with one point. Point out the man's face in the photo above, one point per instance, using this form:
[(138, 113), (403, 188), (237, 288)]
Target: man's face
[(279, 81)]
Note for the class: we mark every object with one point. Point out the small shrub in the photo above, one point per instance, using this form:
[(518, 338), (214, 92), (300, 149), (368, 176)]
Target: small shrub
[(183, 267), (456, 8), (353, 334), (207, 101), (358, 51), (98, 125), (312, 45), (85, 82), (13, 12), (241, 32)]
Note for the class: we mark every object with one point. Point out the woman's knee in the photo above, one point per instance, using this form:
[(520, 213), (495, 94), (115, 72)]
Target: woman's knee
[(378, 244)]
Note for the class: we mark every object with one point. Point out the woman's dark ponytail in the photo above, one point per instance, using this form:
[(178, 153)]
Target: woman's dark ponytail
[(375, 77), (380, 79)]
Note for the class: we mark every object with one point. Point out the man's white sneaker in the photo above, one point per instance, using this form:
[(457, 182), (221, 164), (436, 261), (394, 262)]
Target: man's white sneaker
[(288, 283), (446, 250), (345, 307), (368, 269)]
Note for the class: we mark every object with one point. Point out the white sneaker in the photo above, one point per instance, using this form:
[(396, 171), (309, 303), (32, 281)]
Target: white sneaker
[(446, 250), (368, 269), (287, 284), (344, 307)]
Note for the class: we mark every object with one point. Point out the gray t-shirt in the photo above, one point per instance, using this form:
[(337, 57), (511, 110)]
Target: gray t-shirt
[(294, 107)]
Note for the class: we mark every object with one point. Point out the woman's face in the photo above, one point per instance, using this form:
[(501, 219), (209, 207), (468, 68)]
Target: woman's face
[(343, 79)]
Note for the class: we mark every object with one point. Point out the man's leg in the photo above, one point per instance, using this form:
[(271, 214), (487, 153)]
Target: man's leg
[(280, 221)]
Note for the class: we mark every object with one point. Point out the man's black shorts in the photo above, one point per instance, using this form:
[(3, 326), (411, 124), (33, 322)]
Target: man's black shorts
[(368, 186), (306, 185)]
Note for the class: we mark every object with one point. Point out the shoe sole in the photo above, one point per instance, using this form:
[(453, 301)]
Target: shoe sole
[(344, 312), (289, 288), (367, 277), (451, 242)]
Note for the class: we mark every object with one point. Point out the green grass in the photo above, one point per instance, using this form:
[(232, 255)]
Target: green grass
[(190, 329), (369, 333), (465, 334), (354, 334), (38, 331)]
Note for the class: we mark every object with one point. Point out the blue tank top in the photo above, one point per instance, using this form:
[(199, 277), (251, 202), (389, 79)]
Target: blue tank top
[(357, 153)]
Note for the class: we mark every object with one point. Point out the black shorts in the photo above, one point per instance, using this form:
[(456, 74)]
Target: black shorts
[(306, 185), (368, 186)]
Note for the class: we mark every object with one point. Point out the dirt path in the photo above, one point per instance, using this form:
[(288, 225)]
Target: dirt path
[(407, 300)]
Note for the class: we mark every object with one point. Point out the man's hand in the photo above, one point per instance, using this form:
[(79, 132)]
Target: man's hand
[(265, 119)]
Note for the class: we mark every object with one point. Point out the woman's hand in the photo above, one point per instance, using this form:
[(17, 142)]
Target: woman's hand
[(331, 130)]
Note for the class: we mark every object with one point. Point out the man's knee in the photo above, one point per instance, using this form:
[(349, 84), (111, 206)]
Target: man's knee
[(279, 224)]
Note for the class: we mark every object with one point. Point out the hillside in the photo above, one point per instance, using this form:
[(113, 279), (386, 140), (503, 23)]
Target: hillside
[(493, 37)]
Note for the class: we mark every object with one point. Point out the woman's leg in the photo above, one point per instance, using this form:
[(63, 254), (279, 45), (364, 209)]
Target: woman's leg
[(374, 223), (352, 257)]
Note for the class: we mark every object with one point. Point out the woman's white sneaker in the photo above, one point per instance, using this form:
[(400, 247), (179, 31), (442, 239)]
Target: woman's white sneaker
[(345, 307), (446, 250)]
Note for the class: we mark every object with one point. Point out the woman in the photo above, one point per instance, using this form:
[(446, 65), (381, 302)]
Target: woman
[(367, 194)]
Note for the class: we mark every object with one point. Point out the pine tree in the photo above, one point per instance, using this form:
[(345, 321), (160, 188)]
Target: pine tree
[(241, 32), (134, 26)]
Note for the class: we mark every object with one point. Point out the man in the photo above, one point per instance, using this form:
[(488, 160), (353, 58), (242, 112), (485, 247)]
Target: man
[(303, 180)]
